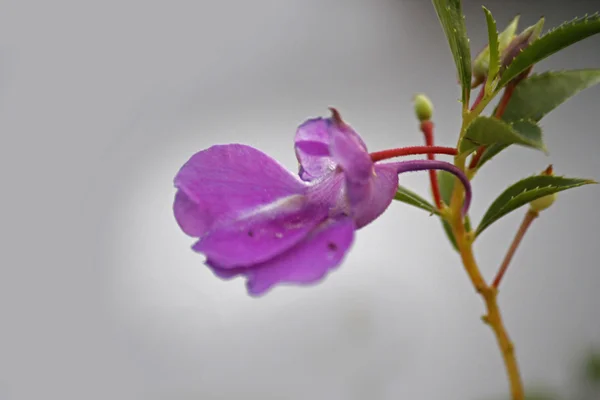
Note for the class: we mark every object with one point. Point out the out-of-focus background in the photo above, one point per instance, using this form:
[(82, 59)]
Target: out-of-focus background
[(100, 295)]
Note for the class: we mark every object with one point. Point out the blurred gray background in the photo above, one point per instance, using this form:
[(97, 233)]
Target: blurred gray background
[(100, 295)]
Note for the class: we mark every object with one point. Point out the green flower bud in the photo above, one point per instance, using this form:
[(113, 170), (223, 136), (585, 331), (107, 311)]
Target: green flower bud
[(481, 63), (544, 202), (423, 107), (520, 42)]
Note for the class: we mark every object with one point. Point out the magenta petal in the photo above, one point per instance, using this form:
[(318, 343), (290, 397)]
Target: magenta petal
[(262, 234), (376, 196), (312, 148), (220, 182), (308, 262), (191, 218), (350, 153)]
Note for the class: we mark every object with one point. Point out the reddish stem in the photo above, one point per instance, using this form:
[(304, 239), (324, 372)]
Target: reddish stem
[(427, 129), (506, 95), (529, 218), (479, 97), (411, 151), (504, 101)]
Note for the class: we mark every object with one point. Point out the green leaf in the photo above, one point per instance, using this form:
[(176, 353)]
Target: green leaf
[(537, 95), (481, 63), (541, 395), (525, 191), (446, 182), (490, 152), (525, 128), (488, 130), (553, 41), (494, 45), (452, 20), (450, 234), (409, 197), (592, 368)]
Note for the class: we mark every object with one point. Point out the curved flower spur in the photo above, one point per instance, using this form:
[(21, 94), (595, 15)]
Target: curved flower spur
[(254, 218)]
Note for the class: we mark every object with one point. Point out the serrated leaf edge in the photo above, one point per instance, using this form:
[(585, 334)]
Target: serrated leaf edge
[(492, 27), (460, 61), (510, 124), (543, 147), (546, 74), (481, 227), (535, 44)]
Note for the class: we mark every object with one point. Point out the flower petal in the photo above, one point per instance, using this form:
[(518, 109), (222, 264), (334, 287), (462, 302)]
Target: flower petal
[(262, 234), (306, 263), (350, 153), (312, 148), (224, 180), (190, 216), (376, 196)]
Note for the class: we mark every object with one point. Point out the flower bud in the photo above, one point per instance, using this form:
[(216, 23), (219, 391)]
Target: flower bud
[(423, 107), (520, 42), (481, 63), (545, 202)]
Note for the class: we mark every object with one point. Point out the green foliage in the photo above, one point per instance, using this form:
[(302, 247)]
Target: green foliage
[(446, 181), (481, 63), (525, 191), (537, 95), (505, 37), (526, 129), (489, 130), (490, 152), (409, 197), (452, 20), (541, 395), (592, 368), (493, 46), (553, 41)]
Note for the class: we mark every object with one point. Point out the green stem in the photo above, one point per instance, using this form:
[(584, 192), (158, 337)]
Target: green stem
[(489, 293)]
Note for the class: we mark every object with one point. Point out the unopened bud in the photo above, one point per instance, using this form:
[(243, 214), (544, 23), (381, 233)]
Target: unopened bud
[(543, 203), (520, 42), (481, 63), (423, 107)]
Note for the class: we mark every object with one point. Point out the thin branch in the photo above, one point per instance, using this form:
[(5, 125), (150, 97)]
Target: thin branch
[(527, 221)]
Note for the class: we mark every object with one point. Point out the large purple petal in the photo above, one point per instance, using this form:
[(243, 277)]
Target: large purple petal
[(376, 196), (351, 155), (261, 234), (312, 148), (307, 263), (223, 181)]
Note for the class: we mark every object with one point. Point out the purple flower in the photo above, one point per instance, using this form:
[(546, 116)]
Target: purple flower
[(253, 218)]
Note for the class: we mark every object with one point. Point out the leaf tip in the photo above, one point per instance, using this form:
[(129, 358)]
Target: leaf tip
[(545, 150)]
